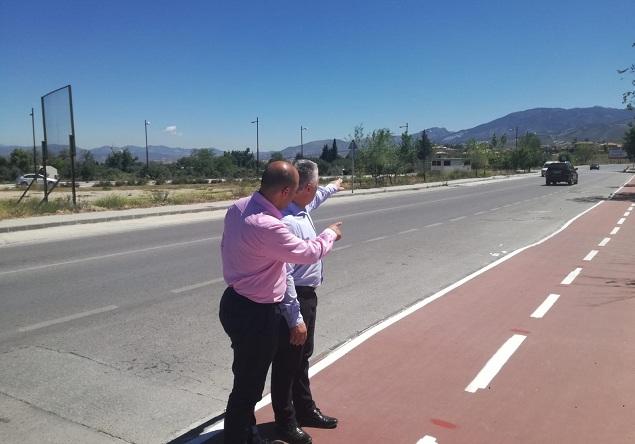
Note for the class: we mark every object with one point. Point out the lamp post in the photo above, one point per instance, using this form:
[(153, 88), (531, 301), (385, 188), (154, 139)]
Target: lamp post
[(34, 151), (257, 146), (302, 141), (405, 126), (146, 123)]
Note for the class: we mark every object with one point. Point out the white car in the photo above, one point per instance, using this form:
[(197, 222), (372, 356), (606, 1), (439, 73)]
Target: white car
[(25, 180), (545, 166)]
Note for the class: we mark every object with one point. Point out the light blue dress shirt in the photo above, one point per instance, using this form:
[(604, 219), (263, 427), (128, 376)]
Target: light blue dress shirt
[(299, 222)]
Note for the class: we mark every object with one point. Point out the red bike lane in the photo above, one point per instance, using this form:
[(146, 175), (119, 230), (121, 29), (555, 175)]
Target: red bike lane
[(539, 348)]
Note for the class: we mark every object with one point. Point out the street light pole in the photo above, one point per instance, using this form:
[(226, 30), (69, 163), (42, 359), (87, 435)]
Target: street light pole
[(34, 151), (257, 146), (405, 126), (302, 141), (146, 123)]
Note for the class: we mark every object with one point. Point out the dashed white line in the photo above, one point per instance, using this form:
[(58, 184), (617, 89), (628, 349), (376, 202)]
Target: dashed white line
[(457, 218), (495, 364), (408, 231), (615, 230), (494, 209), (433, 225), (343, 247), (621, 221), (591, 255), (428, 440), (195, 286), (67, 318), (604, 241), (479, 213), (545, 306), (571, 276), (375, 239), (628, 213)]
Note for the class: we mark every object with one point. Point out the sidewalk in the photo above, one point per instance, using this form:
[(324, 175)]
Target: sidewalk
[(32, 223), (561, 314)]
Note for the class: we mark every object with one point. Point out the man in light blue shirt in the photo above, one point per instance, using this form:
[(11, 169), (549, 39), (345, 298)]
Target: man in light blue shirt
[(291, 397)]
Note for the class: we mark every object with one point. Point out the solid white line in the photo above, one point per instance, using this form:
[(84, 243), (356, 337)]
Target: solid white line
[(343, 247), (495, 363), (353, 343), (408, 231), (104, 256), (621, 221), (628, 213), (615, 230), (571, 276), (433, 225), (375, 239), (591, 255), (457, 218), (428, 440), (195, 286), (545, 306), (67, 318), (604, 241)]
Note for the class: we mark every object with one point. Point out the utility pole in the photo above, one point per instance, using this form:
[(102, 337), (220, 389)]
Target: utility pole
[(302, 141), (257, 146), (34, 150), (146, 123)]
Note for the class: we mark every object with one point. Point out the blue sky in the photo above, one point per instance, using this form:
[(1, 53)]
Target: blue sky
[(201, 71)]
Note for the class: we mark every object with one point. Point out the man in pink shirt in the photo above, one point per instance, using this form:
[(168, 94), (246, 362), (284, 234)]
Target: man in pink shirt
[(255, 248)]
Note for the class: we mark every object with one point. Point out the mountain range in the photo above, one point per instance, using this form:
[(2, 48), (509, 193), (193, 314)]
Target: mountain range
[(553, 126)]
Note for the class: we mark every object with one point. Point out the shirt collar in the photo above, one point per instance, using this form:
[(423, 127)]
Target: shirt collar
[(263, 202)]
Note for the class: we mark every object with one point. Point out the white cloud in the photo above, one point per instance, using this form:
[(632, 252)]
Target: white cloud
[(171, 129)]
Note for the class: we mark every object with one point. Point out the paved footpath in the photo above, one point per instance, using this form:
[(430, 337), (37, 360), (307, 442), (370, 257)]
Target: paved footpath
[(536, 348)]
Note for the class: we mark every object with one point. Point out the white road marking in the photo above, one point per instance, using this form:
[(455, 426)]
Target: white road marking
[(545, 306), (571, 276), (343, 247), (67, 318), (621, 221), (375, 239), (457, 218), (604, 241), (591, 255), (408, 231), (195, 286), (494, 209), (495, 364), (428, 440), (433, 225), (479, 213), (615, 230), (628, 213), (105, 256)]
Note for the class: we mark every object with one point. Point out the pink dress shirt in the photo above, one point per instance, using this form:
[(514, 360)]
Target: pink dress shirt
[(256, 246)]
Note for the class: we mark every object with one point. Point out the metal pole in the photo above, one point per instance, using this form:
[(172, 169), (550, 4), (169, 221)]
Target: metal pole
[(145, 123), (516, 140), (405, 126), (44, 153), (34, 150), (257, 146), (302, 141), (71, 139)]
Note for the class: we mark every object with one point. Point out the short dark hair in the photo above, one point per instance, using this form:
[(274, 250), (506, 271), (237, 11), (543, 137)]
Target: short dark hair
[(275, 177), (307, 170)]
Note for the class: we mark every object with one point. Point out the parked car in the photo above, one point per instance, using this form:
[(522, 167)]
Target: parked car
[(25, 180), (594, 166), (561, 172), (545, 166)]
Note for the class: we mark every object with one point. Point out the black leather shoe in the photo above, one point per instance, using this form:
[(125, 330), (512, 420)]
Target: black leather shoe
[(293, 434), (315, 418)]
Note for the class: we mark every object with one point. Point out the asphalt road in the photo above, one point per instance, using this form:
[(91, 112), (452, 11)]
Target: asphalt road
[(114, 336)]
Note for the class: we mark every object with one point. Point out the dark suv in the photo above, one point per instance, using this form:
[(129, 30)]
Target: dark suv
[(561, 172)]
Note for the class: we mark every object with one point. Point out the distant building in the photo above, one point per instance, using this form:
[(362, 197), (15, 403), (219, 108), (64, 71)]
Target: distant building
[(448, 164)]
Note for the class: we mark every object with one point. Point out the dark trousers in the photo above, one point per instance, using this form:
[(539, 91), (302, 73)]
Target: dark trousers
[(290, 389), (253, 329)]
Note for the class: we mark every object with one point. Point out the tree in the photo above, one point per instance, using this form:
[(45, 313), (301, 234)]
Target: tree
[(478, 153), (334, 153), (276, 155), (87, 166), (629, 143), (406, 153), (326, 153), (376, 152), (121, 160), (424, 149), (20, 159), (628, 98), (494, 141)]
